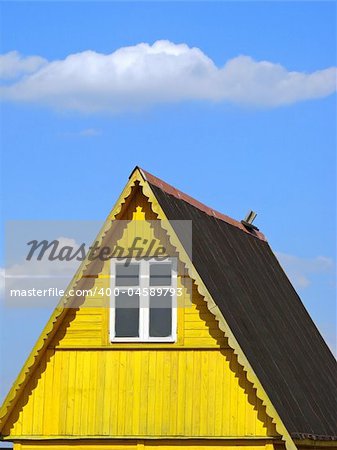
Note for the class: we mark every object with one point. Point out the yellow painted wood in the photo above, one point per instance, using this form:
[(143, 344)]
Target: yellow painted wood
[(150, 444), (90, 385), (139, 214), (192, 388)]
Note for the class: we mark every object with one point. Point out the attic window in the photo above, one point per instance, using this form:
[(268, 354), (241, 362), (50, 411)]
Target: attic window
[(143, 305)]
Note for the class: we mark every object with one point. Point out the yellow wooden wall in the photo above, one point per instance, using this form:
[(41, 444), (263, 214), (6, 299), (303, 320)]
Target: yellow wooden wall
[(152, 444), (140, 393), (88, 386)]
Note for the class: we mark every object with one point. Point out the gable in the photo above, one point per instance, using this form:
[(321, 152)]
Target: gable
[(87, 386), (137, 179)]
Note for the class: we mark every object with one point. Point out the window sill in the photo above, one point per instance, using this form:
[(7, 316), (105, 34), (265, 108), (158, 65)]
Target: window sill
[(143, 341)]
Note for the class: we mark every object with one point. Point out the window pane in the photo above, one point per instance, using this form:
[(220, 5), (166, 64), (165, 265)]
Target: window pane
[(160, 316), (127, 275), (160, 274), (127, 315)]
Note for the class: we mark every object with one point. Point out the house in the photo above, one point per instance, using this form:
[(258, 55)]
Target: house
[(228, 359)]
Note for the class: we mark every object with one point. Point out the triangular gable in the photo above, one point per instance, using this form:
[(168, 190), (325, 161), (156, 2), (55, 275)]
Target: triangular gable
[(138, 177)]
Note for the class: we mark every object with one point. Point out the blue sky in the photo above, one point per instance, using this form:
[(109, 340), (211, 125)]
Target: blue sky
[(233, 151)]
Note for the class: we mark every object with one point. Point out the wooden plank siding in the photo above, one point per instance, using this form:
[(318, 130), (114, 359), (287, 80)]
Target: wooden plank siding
[(146, 392), (86, 386), (194, 444)]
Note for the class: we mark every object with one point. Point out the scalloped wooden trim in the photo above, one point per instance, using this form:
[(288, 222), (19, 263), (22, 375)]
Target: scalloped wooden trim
[(52, 324), (214, 309)]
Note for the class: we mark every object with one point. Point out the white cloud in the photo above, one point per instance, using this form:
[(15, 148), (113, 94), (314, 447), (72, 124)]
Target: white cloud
[(12, 64), (135, 77), (300, 270)]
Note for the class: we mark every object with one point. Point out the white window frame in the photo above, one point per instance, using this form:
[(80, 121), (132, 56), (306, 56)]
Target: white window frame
[(144, 310)]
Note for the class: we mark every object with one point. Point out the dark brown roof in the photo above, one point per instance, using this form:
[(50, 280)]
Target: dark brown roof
[(265, 314)]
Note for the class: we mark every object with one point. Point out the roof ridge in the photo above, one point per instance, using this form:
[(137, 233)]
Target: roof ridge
[(171, 190)]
